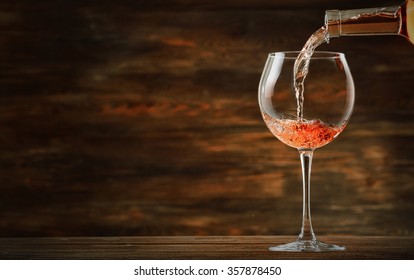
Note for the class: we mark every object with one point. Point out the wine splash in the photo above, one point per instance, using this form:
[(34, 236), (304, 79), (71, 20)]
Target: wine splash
[(301, 67), (302, 134)]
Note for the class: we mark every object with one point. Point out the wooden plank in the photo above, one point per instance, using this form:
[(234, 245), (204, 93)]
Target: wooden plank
[(117, 120), (212, 247)]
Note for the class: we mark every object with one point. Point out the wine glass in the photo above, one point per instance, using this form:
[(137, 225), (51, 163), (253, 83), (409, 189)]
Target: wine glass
[(307, 119)]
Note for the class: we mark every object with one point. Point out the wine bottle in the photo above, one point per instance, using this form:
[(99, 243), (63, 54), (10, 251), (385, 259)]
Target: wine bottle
[(394, 20)]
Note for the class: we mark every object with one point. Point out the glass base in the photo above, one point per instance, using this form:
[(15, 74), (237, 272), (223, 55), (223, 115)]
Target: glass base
[(307, 246)]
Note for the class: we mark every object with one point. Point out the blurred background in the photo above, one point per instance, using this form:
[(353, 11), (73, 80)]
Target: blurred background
[(141, 118)]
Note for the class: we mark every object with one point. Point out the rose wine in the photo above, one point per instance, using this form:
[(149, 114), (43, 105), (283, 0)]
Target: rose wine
[(302, 134)]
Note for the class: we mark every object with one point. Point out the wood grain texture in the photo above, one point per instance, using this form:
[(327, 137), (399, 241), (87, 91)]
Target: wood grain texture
[(141, 118), (200, 248)]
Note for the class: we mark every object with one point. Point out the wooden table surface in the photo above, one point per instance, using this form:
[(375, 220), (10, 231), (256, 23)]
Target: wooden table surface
[(196, 247)]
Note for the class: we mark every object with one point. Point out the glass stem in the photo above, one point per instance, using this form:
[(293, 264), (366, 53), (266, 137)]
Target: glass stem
[(306, 232)]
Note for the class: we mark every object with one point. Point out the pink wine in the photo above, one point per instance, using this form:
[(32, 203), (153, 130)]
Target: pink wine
[(302, 134)]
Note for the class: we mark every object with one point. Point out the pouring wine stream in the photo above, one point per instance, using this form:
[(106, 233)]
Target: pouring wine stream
[(301, 66)]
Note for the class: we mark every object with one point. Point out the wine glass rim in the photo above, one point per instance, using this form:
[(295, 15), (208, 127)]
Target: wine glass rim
[(315, 55)]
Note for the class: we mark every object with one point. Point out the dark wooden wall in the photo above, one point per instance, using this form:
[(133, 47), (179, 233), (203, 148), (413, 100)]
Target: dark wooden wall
[(141, 118)]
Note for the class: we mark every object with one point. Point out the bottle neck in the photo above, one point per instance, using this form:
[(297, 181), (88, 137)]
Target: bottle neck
[(372, 21)]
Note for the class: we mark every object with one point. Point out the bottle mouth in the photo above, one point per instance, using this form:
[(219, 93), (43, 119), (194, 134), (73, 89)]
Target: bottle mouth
[(338, 22), (333, 23)]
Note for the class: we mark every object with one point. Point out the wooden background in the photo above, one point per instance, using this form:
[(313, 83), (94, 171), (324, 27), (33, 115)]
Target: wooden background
[(141, 118)]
